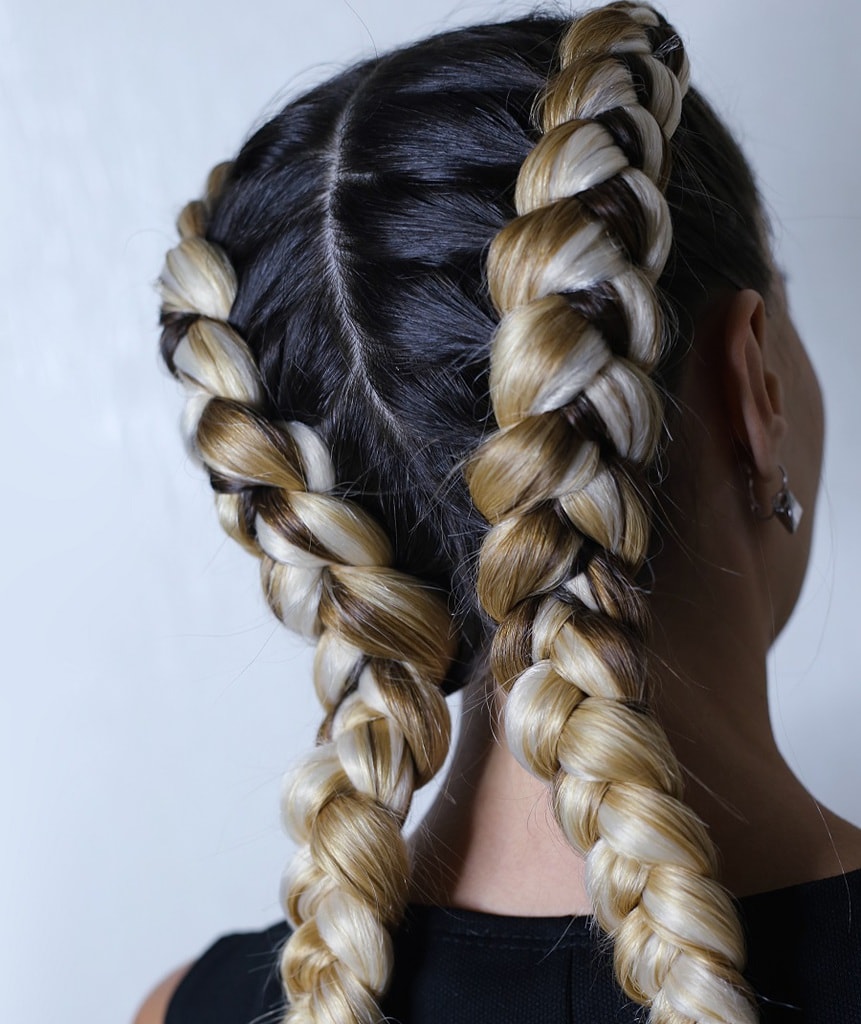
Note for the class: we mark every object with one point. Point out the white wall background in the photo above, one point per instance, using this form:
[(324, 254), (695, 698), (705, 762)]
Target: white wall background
[(149, 704)]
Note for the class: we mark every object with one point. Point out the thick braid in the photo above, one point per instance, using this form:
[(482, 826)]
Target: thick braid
[(384, 643), (574, 279)]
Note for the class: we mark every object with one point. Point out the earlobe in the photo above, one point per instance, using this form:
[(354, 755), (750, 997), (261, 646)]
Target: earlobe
[(754, 395)]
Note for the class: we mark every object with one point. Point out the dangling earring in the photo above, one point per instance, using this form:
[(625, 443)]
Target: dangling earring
[(784, 505)]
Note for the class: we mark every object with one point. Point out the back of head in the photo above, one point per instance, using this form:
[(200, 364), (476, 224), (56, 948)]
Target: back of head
[(428, 318)]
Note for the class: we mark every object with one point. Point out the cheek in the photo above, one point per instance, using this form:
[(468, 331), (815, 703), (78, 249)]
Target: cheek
[(801, 455), (816, 418), (805, 415)]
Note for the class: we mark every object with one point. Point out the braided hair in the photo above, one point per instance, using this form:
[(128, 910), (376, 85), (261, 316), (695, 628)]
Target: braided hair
[(481, 252), (384, 641), (579, 417)]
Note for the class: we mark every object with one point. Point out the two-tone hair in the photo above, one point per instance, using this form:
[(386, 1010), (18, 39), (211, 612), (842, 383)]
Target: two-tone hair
[(482, 252)]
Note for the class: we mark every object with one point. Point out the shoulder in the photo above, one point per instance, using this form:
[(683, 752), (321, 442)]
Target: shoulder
[(804, 947), (235, 980), (153, 1010)]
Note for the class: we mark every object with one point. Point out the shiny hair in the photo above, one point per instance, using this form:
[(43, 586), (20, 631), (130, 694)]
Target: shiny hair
[(428, 319)]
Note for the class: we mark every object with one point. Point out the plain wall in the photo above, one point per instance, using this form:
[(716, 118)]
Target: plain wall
[(150, 704)]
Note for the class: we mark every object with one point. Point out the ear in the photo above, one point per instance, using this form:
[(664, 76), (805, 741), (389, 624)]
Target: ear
[(753, 391)]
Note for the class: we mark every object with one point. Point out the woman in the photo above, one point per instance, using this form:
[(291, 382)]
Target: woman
[(489, 365)]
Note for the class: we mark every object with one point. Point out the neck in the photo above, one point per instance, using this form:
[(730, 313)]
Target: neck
[(710, 693), (490, 842)]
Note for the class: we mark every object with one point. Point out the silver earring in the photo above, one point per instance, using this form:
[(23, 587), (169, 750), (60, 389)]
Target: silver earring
[(784, 505)]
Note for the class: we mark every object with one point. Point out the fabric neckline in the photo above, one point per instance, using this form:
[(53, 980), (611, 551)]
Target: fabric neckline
[(480, 923)]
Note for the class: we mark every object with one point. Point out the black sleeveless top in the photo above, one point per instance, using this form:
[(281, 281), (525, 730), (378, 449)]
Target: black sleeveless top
[(462, 967)]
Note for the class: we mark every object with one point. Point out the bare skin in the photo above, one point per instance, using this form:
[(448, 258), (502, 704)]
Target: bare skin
[(725, 584), (154, 1008)]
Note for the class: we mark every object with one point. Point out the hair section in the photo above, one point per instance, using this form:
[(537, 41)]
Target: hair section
[(384, 643), (561, 485)]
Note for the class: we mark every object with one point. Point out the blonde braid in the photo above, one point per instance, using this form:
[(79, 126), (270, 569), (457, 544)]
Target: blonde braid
[(384, 644), (574, 279)]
